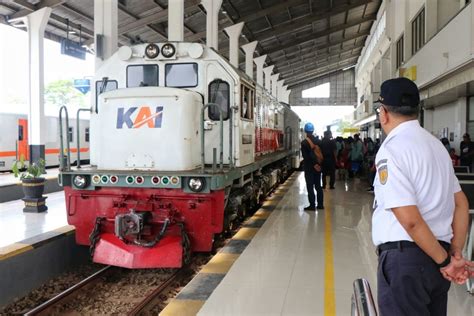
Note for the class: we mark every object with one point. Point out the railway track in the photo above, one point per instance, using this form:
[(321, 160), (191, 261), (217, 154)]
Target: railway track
[(84, 290)]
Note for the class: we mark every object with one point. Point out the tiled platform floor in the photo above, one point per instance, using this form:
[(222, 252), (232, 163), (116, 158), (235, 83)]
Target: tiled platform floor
[(296, 266)]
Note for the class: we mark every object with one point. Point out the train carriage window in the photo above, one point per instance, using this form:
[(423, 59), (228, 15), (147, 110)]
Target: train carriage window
[(70, 134), (142, 76), (219, 94), (100, 88), (181, 75), (87, 135), (246, 102), (20, 132)]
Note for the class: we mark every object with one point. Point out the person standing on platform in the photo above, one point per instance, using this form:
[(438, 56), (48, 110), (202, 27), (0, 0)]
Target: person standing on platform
[(420, 217), (467, 151), (357, 156), (312, 166), (329, 149)]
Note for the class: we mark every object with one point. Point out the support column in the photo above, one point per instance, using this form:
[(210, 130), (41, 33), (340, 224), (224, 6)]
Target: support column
[(260, 61), (36, 24), (286, 96), (105, 29), (280, 89), (233, 32), (176, 21), (268, 74), (274, 85), (249, 49), (431, 18), (212, 22)]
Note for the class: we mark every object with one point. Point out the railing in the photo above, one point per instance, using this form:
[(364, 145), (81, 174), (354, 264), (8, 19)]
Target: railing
[(61, 141), (78, 135), (362, 300), (221, 144)]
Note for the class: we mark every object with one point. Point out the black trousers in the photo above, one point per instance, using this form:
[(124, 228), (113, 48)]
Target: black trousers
[(409, 283), (329, 169), (313, 181)]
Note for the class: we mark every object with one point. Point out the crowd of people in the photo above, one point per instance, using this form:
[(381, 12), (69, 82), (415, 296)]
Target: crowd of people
[(346, 158), (466, 152)]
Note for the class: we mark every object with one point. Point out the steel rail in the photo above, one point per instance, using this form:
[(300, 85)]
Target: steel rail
[(43, 308), (148, 301)]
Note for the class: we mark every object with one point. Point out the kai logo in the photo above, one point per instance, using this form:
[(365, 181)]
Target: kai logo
[(136, 117)]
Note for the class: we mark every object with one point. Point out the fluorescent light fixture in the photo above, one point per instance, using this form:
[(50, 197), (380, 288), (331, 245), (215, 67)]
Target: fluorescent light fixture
[(347, 68), (366, 120)]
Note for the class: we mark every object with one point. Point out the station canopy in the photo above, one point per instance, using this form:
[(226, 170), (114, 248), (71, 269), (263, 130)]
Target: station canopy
[(315, 37)]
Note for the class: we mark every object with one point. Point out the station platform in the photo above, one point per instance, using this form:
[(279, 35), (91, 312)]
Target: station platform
[(19, 229), (10, 187), (285, 261)]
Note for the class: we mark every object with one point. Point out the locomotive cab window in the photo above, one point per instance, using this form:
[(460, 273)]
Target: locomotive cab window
[(181, 75), (246, 102), (219, 94), (142, 76), (101, 87)]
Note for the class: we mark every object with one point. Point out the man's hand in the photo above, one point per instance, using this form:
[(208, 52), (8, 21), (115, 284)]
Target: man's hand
[(456, 270), (470, 268)]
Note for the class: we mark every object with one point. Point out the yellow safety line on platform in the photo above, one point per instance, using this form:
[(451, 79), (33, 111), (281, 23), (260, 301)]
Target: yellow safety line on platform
[(329, 291)]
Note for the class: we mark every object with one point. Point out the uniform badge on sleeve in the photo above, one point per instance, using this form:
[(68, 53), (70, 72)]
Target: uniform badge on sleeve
[(382, 171)]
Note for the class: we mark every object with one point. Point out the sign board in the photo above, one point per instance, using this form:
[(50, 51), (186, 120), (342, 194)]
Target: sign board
[(351, 130), (409, 73), (73, 49), (83, 85)]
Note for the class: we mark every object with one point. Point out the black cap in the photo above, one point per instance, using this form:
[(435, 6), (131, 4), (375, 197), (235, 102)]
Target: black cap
[(399, 92)]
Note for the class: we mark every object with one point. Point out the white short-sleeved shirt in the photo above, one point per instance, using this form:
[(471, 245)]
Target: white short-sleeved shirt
[(413, 168)]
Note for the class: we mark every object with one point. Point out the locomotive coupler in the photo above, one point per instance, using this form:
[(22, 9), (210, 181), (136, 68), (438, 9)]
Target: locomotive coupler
[(129, 224)]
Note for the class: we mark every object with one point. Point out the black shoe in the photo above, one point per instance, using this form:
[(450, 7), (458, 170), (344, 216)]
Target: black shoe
[(310, 208), (332, 188), (320, 207)]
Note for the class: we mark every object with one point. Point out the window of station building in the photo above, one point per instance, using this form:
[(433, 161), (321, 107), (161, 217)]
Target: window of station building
[(418, 32), (87, 134), (142, 76), (101, 87), (320, 91), (70, 134), (220, 95), (400, 51), (181, 75), (246, 102)]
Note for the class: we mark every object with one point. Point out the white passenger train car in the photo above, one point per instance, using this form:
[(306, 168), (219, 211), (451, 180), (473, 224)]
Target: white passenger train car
[(14, 140)]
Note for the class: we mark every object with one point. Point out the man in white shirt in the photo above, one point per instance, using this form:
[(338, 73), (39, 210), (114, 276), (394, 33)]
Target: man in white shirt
[(420, 215)]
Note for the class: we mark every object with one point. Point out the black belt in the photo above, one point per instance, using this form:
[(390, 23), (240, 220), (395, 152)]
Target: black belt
[(400, 245)]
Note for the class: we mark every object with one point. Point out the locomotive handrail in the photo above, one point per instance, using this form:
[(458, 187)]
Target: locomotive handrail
[(221, 145), (362, 300), (61, 140), (78, 141)]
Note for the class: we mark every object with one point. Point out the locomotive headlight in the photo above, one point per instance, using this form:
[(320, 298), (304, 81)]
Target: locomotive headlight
[(152, 51), (80, 182), (168, 50), (196, 184)]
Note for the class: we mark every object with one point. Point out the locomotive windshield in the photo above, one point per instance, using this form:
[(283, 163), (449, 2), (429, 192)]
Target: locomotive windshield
[(142, 76), (181, 75), (219, 94)]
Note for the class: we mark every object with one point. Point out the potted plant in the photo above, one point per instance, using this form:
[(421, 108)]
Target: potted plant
[(32, 180)]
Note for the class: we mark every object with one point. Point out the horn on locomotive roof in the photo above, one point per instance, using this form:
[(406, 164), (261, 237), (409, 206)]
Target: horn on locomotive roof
[(176, 21), (249, 49), (212, 22), (233, 32)]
